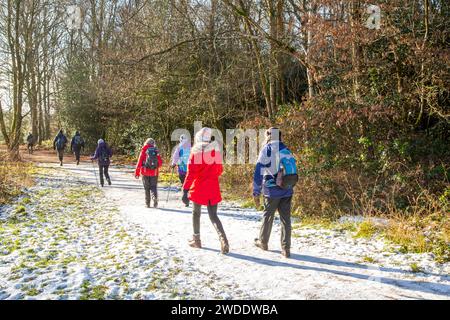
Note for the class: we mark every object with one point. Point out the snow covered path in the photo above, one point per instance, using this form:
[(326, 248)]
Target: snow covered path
[(131, 252)]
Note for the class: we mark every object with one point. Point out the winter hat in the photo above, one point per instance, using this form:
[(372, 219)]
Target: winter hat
[(100, 141), (273, 134), (150, 141), (204, 135)]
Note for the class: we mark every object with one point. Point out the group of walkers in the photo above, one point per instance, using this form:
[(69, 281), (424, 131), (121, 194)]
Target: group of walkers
[(199, 168), (102, 155), (60, 144)]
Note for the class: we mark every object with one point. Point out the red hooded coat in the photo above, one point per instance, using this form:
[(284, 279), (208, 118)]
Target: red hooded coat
[(141, 170), (202, 179)]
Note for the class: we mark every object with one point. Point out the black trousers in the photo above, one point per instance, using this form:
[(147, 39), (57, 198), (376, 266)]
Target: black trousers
[(271, 205), (77, 152), (103, 173), (61, 155), (182, 177), (212, 211), (151, 188)]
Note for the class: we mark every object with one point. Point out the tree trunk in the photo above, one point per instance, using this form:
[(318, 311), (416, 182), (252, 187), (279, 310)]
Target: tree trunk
[(17, 70), (354, 18)]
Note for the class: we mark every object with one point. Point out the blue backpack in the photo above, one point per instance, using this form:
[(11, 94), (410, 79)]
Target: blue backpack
[(184, 159), (287, 176)]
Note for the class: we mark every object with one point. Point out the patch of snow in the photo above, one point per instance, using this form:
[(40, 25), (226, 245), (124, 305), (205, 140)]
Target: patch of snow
[(361, 219)]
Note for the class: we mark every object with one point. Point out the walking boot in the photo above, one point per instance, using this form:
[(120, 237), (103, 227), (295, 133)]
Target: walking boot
[(109, 181), (224, 246), (196, 242), (286, 253), (155, 203), (261, 245)]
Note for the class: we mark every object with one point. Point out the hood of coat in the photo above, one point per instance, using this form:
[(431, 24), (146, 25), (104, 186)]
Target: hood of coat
[(277, 144), (145, 147), (185, 144), (103, 146), (203, 143)]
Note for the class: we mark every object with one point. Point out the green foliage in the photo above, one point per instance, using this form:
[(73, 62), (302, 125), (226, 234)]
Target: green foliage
[(369, 259), (415, 268), (366, 229), (89, 292), (80, 105)]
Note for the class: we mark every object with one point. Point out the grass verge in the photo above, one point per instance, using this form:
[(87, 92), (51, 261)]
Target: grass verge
[(14, 176)]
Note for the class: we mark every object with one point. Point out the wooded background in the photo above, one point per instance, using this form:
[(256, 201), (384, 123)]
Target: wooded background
[(366, 111)]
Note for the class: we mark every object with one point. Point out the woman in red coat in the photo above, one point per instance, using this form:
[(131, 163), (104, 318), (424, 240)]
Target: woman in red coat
[(148, 167), (202, 185)]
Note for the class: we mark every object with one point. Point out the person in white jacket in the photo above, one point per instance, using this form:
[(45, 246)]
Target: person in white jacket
[(180, 157)]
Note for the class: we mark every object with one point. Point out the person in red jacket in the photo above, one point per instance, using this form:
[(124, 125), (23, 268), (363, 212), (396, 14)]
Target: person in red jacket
[(202, 185), (148, 166)]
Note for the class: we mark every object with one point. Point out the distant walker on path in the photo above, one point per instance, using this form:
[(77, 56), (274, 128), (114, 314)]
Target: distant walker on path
[(76, 145), (30, 143), (103, 155), (59, 144)]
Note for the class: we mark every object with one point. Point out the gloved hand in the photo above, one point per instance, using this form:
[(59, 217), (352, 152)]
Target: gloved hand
[(257, 200), (185, 198)]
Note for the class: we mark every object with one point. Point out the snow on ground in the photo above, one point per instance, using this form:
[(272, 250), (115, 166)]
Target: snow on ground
[(74, 241)]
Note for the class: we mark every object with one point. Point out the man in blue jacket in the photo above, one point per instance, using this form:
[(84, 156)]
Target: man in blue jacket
[(275, 197)]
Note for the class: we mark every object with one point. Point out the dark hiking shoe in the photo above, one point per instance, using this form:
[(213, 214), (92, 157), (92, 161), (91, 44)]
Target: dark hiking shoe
[(109, 182), (286, 253), (61, 164), (195, 242), (261, 245), (155, 203), (148, 205), (78, 163), (224, 246)]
